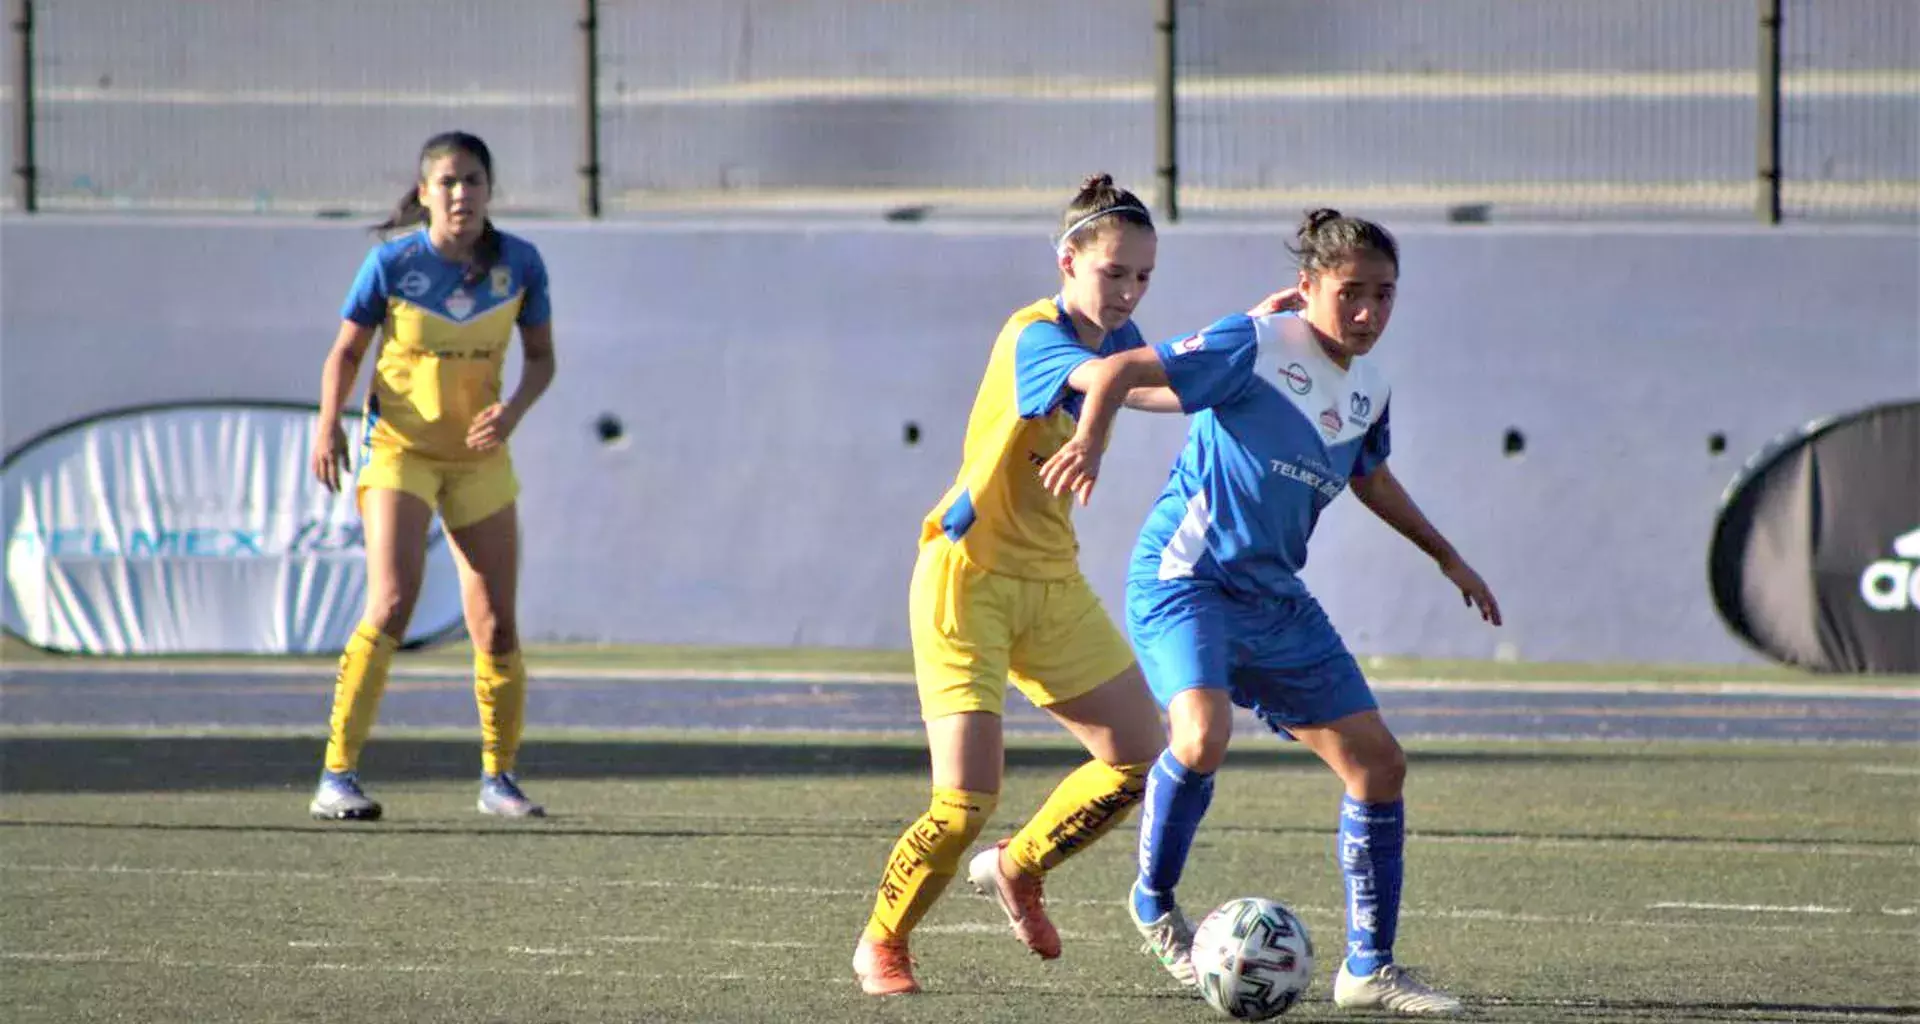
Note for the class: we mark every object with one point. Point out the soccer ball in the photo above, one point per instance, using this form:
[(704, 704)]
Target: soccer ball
[(1254, 958)]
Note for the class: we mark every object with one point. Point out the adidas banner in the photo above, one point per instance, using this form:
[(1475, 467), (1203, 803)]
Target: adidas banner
[(1815, 559), (194, 528)]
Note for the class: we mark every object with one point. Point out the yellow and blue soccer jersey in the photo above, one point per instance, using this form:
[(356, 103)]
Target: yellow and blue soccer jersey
[(1278, 429), (446, 338), (997, 513)]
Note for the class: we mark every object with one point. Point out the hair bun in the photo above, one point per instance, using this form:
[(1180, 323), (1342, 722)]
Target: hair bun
[(1096, 182), (1317, 219)]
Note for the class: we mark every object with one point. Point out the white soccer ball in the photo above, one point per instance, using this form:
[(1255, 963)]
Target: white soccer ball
[(1254, 958)]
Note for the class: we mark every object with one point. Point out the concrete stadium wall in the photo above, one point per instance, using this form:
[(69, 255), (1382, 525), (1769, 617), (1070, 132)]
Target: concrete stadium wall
[(766, 376)]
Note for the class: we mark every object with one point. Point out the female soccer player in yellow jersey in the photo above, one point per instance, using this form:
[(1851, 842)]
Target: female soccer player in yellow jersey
[(997, 595), (446, 289)]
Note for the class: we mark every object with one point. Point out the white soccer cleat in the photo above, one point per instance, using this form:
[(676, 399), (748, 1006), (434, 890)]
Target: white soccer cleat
[(1169, 939), (1391, 988), (339, 798)]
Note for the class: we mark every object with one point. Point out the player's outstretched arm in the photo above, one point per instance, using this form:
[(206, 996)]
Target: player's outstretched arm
[(1383, 495), (1154, 399), (1106, 383)]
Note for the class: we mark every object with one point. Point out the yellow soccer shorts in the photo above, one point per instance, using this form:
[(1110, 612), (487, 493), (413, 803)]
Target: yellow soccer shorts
[(974, 630), (463, 492)]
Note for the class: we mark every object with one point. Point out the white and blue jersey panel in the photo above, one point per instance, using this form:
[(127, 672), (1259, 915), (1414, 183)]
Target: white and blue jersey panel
[(1278, 430)]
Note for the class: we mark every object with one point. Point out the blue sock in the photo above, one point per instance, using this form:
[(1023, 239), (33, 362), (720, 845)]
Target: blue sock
[(1371, 839), (1176, 800)]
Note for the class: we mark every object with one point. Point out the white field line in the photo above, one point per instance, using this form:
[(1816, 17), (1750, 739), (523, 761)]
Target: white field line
[(1751, 908), (560, 675), (1446, 913), (487, 967), (679, 940), (1575, 85)]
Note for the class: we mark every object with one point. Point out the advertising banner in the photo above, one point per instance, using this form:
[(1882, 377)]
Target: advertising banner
[(1815, 559), (191, 529)]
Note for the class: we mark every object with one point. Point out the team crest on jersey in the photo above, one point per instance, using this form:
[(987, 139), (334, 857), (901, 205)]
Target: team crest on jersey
[(501, 280), (459, 304), (1330, 421), (1187, 346), (414, 284), (1296, 377)]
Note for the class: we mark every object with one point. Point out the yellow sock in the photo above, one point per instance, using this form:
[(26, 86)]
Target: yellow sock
[(500, 688), (357, 690), (1086, 804), (925, 859)]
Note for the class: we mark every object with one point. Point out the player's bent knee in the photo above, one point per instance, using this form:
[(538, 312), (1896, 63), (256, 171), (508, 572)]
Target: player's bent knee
[(1381, 773), (1202, 747)]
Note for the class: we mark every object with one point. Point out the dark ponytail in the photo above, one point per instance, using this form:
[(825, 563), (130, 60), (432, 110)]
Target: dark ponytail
[(406, 213), (1097, 194), (409, 211), (1326, 238)]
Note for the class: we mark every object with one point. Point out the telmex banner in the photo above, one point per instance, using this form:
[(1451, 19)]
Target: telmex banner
[(192, 528), (1816, 554)]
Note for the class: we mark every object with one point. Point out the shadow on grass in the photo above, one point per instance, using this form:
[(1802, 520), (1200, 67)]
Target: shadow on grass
[(189, 764), (141, 764)]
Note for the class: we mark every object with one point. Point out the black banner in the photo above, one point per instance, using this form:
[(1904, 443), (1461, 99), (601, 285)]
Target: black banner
[(1815, 558)]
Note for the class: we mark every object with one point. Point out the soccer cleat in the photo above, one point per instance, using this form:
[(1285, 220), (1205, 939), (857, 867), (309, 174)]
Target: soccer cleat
[(339, 798), (1393, 988), (500, 795), (1020, 897), (884, 968), (1169, 940)]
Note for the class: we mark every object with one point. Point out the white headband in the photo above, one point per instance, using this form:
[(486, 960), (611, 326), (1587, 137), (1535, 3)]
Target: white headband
[(1067, 235)]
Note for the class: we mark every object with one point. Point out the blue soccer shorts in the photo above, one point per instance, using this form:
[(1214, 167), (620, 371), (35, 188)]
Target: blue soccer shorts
[(1281, 659)]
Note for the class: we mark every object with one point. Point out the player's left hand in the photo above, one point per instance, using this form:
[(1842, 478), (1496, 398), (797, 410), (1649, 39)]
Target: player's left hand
[(1287, 300), (1073, 468), (1474, 591), (490, 429)]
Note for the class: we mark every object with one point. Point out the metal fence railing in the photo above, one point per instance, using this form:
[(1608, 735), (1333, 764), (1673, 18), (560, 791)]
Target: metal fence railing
[(1522, 108)]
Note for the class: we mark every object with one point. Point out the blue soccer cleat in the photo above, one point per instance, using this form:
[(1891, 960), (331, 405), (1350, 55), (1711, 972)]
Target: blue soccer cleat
[(500, 796)]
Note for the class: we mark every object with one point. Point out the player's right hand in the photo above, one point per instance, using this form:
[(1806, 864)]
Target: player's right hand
[(330, 456), (1286, 300), (1073, 468)]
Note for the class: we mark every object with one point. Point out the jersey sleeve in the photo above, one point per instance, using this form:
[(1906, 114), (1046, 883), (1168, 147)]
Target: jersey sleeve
[(1044, 356), (535, 307), (366, 303), (1213, 367), (1376, 446)]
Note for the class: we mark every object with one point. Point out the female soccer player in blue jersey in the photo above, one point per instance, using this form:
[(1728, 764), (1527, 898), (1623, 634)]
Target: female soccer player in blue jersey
[(997, 595), (1287, 412), (446, 289)]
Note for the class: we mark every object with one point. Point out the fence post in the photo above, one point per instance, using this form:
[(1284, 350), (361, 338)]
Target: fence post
[(1767, 202), (590, 107), (1166, 156), (25, 172)]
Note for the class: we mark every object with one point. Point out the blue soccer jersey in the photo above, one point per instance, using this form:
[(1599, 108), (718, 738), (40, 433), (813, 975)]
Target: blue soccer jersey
[(1278, 429)]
